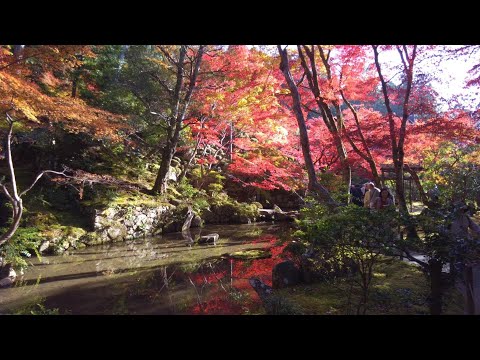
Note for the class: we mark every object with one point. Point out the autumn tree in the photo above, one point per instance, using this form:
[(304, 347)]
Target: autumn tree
[(397, 134), (25, 105), (14, 195), (323, 91), (241, 124), (313, 183), (185, 62)]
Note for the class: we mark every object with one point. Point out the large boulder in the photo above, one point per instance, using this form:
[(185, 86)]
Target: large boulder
[(266, 214), (58, 238), (285, 274), (117, 232)]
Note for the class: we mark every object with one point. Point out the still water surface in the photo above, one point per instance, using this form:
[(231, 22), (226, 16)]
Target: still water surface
[(161, 275)]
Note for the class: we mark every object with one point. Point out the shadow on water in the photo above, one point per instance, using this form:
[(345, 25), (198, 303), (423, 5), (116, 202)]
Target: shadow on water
[(163, 275)]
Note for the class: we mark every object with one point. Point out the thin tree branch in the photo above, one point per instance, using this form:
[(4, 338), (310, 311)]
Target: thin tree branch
[(39, 176)]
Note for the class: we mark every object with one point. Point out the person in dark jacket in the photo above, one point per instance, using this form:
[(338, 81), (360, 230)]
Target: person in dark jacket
[(357, 195)]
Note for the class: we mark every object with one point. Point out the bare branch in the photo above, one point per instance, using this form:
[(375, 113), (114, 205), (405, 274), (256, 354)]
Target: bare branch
[(410, 257), (38, 178), (402, 57), (5, 190)]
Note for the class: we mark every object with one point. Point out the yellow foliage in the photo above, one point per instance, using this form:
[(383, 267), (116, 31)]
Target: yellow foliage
[(24, 101)]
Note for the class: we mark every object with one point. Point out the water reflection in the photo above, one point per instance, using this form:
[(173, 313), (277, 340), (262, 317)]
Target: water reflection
[(165, 275)]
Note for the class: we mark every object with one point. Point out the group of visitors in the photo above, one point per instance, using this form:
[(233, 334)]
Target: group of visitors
[(371, 197)]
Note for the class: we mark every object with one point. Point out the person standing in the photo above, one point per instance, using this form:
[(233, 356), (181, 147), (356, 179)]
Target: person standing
[(371, 195), (356, 195), (385, 200)]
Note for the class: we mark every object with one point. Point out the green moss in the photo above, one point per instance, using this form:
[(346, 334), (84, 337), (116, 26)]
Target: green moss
[(121, 198), (91, 238), (251, 254), (258, 205), (397, 288), (228, 208)]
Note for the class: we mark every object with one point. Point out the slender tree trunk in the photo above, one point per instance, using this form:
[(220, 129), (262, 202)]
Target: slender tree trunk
[(367, 155), (312, 177), (15, 197), (17, 206), (400, 188), (179, 107), (16, 217), (342, 152), (435, 287), (334, 124), (162, 175), (398, 147), (416, 179)]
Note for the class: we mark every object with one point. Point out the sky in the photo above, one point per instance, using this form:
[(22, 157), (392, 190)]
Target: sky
[(451, 76)]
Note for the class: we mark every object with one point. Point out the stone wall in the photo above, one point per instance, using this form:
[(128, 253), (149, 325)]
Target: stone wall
[(128, 222), (124, 222), (112, 224)]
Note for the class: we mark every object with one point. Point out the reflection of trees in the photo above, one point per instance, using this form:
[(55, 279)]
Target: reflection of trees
[(222, 287), (134, 256), (211, 285)]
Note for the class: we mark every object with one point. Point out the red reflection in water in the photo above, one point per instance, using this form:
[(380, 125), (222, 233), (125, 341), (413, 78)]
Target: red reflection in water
[(261, 268), (217, 306), (229, 290)]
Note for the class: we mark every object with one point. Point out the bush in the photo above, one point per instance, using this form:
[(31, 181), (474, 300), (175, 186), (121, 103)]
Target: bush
[(23, 244), (348, 241)]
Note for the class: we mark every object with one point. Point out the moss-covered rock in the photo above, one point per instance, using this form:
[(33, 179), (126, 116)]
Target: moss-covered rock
[(224, 210), (57, 238), (92, 238)]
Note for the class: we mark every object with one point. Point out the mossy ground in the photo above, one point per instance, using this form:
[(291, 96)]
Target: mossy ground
[(398, 288), (125, 197), (251, 254)]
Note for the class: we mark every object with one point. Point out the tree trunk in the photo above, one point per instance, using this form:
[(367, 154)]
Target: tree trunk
[(160, 185), (398, 147), (179, 108), (367, 156), (435, 287), (402, 203), (334, 124), (313, 184), (15, 197), (16, 217), (346, 169), (416, 179), (188, 220)]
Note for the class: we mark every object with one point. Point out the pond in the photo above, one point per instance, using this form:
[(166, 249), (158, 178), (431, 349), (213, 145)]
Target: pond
[(160, 275)]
